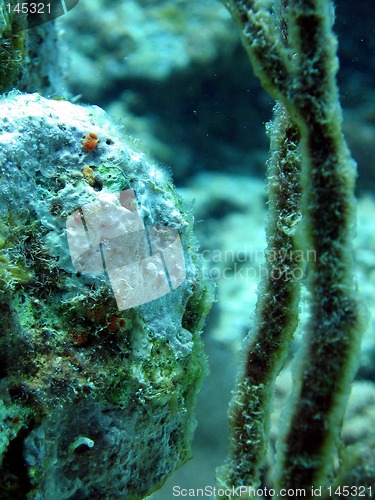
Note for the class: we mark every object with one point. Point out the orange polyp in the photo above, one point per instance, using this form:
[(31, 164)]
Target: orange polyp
[(115, 324), (90, 142)]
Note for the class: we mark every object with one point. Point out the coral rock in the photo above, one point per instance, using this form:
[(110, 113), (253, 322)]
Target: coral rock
[(111, 415)]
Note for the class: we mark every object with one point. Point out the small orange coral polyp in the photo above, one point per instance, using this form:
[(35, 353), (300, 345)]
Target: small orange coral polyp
[(115, 324), (90, 142), (78, 337), (89, 175)]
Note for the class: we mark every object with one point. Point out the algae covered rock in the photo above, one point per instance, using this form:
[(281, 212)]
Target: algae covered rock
[(28, 57), (102, 304)]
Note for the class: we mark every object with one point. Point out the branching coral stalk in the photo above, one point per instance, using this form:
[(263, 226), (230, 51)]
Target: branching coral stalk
[(276, 311), (293, 52)]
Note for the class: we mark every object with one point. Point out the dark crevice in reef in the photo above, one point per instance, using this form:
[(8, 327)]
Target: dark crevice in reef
[(15, 481)]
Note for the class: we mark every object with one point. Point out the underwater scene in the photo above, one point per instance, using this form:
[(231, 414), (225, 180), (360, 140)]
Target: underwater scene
[(187, 249)]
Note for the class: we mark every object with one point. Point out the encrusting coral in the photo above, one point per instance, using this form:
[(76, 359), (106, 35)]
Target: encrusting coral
[(97, 400)]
